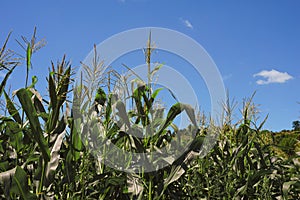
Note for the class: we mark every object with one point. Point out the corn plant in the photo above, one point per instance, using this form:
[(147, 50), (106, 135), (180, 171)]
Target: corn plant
[(31, 136), (50, 145), (152, 130)]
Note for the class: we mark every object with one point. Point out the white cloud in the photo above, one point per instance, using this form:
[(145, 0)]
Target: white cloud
[(272, 76), (187, 23)]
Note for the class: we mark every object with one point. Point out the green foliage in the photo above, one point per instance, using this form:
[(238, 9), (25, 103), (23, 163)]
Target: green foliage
[(24, 97), (47, 152), (20, 185)]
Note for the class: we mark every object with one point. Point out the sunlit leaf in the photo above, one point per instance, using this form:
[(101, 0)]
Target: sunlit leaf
[(31, 113)]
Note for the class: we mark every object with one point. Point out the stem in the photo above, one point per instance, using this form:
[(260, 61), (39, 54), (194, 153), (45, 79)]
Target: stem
[(150, 189), (148, 62), (26, 80), (40, 188), (148, 57), (28, 61), (102, 162), (108, 85)]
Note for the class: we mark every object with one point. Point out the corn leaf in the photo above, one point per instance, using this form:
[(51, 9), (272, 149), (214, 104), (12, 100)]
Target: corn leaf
[(5, 176), (54, 158), (12, 109), (20, 185), (3, 83), (175, 110), (52, 91), (31, 114)]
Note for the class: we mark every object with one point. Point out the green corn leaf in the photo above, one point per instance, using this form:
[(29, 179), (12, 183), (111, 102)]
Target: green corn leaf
[(116, 181), (3, 83), (175, 110), (12, 109), (134, 141), (15, 135), (37, 133), (76, 142), (261, 154), (40, 109), (147, 101), (34, 81), (20, 185), (264, 121), (52, 91), (286, 187), (137, 96), (108, 110), (197, 143), (155, 93), (252, 180)]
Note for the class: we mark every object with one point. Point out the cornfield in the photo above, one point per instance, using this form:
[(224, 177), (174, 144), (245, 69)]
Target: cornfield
[(45, 155)]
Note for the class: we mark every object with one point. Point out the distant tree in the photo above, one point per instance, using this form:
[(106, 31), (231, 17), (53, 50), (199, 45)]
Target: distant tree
[(296, 125)]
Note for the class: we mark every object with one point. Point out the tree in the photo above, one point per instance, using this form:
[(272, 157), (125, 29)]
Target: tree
[(296, 125)]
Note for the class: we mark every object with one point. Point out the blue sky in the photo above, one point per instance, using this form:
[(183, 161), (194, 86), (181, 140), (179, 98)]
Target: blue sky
[(255, 44)]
